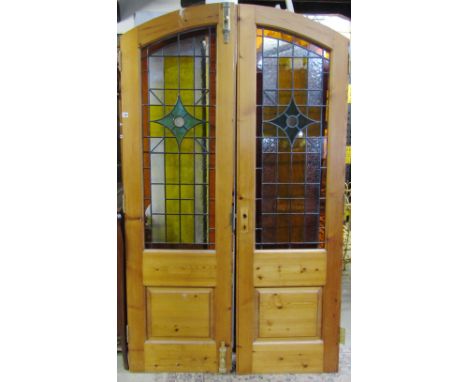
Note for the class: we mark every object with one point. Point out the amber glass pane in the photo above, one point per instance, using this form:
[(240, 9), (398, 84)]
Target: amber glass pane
[(292, 80), (178, 87)]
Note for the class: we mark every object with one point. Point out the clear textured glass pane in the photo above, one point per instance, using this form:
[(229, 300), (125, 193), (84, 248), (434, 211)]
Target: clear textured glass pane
[(300, 52), (156, 97), (158, 232), (270, 73), (315, 98), (314, 145), (269, 98), (285, 48), (315, 74), (270, 145), (201, 45), (270, 47), (158, 195), (186, 47), (155, 72), (157, 166), (171, 49)]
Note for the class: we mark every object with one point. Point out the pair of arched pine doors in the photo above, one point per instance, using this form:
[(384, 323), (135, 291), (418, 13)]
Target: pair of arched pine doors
[(233, 164)]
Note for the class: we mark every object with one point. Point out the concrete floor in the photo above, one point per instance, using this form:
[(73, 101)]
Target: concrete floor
[(344, 374)]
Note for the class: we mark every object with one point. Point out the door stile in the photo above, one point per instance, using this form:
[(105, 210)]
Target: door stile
[(246, 137), (132, 163), (225, 164), (335, 195)]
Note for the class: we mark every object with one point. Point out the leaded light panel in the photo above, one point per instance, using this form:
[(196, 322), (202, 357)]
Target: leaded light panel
[(292, 84), (178, 92)]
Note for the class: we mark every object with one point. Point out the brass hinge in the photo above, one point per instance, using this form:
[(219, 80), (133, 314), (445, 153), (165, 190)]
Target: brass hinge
[(227, 21), (222, 357)]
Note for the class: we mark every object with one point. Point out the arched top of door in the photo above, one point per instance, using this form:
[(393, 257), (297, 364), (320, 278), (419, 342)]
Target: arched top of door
[(211, 14)]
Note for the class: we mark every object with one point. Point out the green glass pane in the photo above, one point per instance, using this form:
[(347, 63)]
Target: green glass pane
[(292, 121), (179, 121)]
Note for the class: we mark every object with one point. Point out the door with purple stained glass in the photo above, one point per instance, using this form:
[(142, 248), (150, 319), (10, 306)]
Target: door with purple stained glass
[(291, 144)]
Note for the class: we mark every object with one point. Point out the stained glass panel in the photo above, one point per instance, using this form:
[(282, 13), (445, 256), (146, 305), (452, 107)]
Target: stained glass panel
[(292, 80), (178, 90)]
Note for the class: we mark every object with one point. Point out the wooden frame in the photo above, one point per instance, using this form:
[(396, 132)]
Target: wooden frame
[(249, 18), (131, 42), (244, 21)]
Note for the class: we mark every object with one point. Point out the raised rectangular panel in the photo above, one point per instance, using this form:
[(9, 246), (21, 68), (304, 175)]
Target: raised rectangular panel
[(287, 356), (289, 267), (179, 268), (179, 312), (183, 356), (289, 312)]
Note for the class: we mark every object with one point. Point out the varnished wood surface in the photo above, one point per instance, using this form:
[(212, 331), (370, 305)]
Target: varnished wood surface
[(246, 129), (136, 300), (181, 356), (253, 354), (225, 165), (289, 312), (132, 180), (180, 294), (179, 312), (179, 268), (290, 267), (284, 356), (178, 21), (338, 113)]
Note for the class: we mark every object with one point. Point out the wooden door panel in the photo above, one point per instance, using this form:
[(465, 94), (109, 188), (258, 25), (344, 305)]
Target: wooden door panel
[(285, 356), (179, 268), (178, 86), (289, 312), (290, 268), (179, 312), (187, 356), (292, 82)]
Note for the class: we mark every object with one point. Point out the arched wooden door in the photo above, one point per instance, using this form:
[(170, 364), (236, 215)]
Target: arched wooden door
[(292, 81), (180, 74), (178, 96)]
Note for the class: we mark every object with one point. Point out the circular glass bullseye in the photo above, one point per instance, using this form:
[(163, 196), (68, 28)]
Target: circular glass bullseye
[(292, 121), (179, 121)]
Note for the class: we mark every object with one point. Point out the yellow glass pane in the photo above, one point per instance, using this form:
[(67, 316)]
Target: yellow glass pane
[(172, 228), (296, 40), (259, 43), (300, 73), (187, 229), (172, 206), (187, 80), (285, 73), (201, 130), (278, 35)]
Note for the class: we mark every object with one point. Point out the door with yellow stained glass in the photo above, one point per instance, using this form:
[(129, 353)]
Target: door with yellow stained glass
[(183, 189)]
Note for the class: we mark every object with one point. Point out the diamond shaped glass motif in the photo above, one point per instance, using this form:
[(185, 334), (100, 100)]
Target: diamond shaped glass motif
[(291, 121), (179, 121)]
